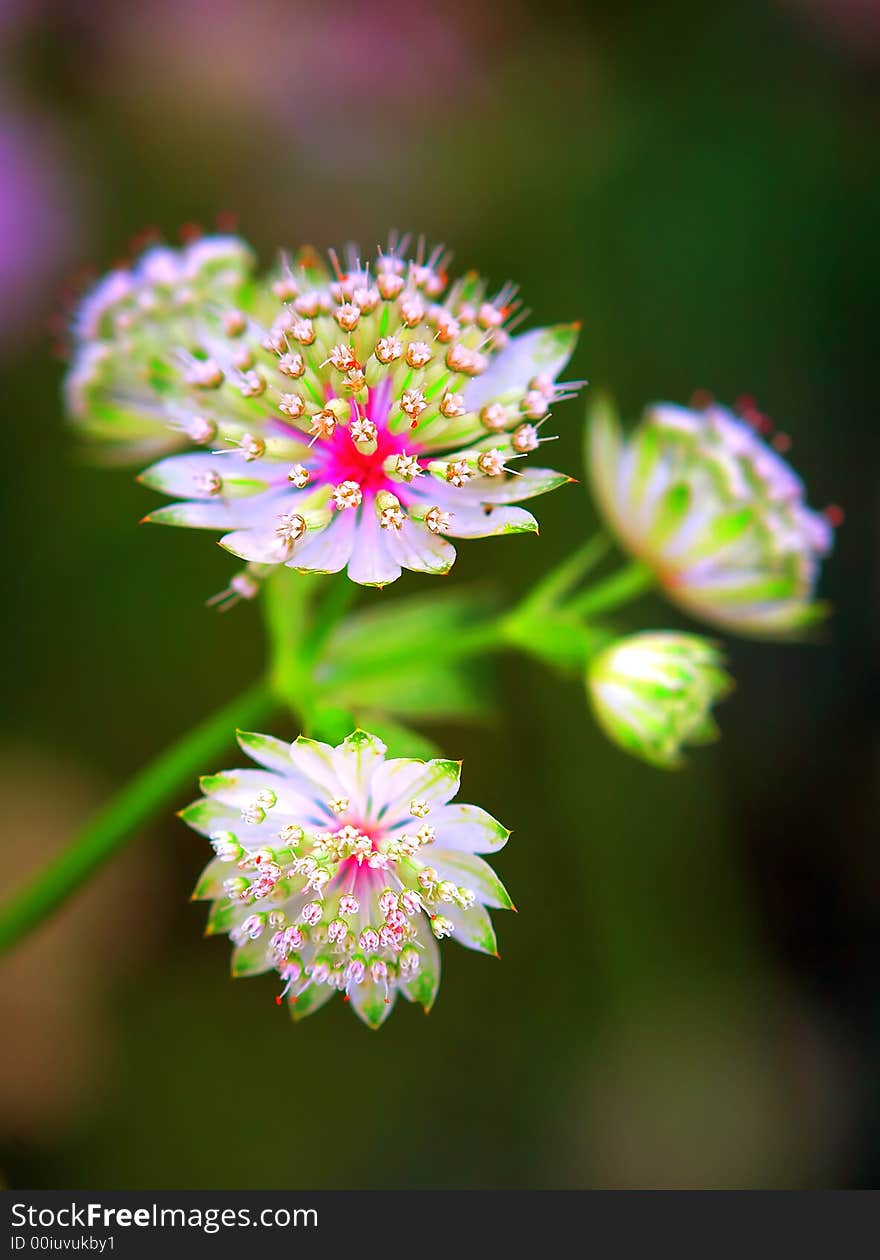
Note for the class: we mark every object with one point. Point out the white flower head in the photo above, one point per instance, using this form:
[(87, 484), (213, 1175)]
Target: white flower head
[(338, 886), (652, 693), (715, 512), (118, 389), (375, 378)]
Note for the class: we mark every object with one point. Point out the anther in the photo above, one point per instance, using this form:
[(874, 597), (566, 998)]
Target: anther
[(525, 439), (452, 406), (292, 405), (388, 349), (458, 473), (253, 385), (347, 494), (494, 417), (418, 354), (437, 520), (491, 463)]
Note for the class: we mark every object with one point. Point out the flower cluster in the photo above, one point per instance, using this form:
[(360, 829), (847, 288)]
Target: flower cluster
[(652, 693), (341, 869), (715, 513), (348, 417), (135, 340)]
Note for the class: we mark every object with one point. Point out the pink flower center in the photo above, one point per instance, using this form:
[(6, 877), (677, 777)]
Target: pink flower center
[(339, 459)]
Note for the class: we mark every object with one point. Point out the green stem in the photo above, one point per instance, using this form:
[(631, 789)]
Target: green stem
[(485, 636), (559, 581), (615, 590), (150, 790), (287, 609)]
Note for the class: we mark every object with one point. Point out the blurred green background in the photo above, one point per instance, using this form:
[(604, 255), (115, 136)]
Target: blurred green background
[(689, 994)]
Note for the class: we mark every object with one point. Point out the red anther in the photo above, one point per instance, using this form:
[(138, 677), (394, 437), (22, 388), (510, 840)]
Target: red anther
[(413, 424), (346, 998), (146, 236), (781, 443), (760, 423), (278, 1000), (834, 515), (701, 398), (226, 221), (189, 232), (745, 403)]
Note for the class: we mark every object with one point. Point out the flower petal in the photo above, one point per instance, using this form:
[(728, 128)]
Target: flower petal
[(328, 550), (209, 885), (251, 959), (371, 562), (543, 351), (314, 997), (423, 986), (487, 522), (189, 476), (397, 782), (470, 871), (314, 765), (259, 546), (266, 750), (473, 928), (355, 761), (416, 548), (239, 788), (372, 1002), (468, 829), (201, 514)]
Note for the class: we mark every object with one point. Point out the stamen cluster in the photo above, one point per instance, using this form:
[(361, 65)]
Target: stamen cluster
[(341, 869), (343, 417)]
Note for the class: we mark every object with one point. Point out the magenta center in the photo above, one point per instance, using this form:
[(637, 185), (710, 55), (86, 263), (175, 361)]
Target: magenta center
[(338, 459)]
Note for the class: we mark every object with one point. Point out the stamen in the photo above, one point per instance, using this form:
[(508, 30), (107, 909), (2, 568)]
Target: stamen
[(458, 473), (525, 439), (491, 463), (437, 520), (293, 405), (347, 494)]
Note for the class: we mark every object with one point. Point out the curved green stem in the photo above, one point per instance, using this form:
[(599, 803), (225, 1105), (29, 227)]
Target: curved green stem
[(615, 590), (150, 790), (560, 580)]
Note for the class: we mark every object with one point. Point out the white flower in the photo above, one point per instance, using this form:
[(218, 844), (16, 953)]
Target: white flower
[(715, 512), (338, 885), (133, 381), (369, 379)]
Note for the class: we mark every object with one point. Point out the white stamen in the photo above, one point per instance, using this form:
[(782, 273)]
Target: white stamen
[(347, 494)]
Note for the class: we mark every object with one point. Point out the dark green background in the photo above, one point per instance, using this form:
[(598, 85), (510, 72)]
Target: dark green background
[(687, 996)]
